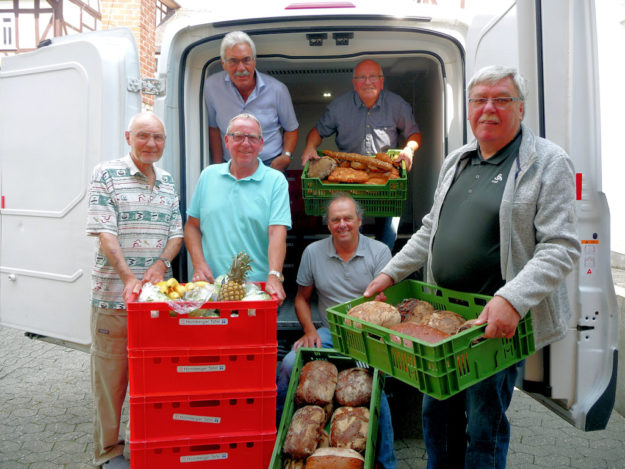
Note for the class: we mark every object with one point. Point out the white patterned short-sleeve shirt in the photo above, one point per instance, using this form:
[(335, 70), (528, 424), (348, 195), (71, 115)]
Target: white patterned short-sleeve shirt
[(121, 203)]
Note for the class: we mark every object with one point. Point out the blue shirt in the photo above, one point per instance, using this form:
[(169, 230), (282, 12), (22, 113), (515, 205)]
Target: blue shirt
[(235, 215), (335, 280), (367, 131), (270, 102)]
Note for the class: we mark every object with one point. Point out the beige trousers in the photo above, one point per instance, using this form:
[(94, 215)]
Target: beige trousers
[(109, 380)]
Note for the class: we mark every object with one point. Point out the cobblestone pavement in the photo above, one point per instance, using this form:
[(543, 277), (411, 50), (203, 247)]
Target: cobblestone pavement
[(45, 418)]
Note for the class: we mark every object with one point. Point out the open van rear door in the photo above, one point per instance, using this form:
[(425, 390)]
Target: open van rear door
[(64, 109), (553, 44)]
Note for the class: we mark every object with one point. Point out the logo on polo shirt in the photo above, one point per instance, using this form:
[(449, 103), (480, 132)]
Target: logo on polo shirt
[(497, 179)]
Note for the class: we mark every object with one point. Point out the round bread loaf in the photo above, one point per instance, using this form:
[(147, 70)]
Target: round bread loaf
[(348, 428), (353, 387), (375, 312), (415, 310), (317, 383), (418, 331), (446, 321), (335, 458), (304, 432)]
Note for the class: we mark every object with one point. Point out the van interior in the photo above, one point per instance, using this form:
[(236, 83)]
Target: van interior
[(416, 65)]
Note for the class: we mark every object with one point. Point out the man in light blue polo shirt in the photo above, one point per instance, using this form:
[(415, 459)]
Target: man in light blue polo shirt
[(240, 88), (237, 206)]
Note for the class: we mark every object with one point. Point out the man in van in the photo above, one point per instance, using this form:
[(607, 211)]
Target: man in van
[(502, 224), (368, 120), (240, 88), (133, 211), (237, 206), (335, 270)]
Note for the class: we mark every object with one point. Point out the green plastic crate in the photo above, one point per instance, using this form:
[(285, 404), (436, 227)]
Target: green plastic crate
[(304, 355), (439, 370), (376, 201)]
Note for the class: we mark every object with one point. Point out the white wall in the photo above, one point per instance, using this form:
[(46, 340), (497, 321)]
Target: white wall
[(611, 44)]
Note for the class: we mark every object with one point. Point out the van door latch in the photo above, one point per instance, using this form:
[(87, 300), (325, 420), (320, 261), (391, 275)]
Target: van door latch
[(146, 86), (316, 39), (342, 39)]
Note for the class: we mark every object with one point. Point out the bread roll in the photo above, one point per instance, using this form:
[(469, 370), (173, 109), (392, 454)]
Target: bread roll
[(335, 458), (419, 331), (348, 428), (353, 387), (467, 325), (317, 383), (304, 432), (375, 312), (446, 321)]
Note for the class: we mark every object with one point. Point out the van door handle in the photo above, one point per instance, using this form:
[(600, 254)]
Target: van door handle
[(12, 277)]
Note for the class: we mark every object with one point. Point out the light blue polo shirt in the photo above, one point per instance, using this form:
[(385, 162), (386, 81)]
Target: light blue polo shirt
[(367, 131), (235, 215), (270, 102)]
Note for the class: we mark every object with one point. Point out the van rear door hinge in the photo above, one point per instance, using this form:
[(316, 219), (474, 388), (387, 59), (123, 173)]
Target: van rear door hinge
[(146, 86)]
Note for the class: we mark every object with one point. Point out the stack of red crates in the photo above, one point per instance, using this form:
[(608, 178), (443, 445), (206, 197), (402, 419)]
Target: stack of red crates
[(202, 389)]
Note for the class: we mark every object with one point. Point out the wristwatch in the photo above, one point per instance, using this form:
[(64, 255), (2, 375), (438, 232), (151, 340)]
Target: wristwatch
[(165, 261), (288, 153), (277, 274)]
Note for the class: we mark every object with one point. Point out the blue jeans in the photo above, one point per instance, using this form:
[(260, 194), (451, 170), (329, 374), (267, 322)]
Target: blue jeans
[(386, 231), (386, 454), (470, 429)]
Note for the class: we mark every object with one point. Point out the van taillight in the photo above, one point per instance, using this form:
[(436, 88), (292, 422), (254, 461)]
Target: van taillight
[(312, 5)]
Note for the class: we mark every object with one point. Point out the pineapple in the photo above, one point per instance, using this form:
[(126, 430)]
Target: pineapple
[(232, 289)]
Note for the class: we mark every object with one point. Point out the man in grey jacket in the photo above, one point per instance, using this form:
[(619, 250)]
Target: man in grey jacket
[(503, 224)]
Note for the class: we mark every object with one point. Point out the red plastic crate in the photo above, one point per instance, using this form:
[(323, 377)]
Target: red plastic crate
[(170, 417), (232, 452), (237, 323), (190, 371)]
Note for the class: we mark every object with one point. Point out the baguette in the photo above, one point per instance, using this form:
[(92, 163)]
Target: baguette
[(338, 155)]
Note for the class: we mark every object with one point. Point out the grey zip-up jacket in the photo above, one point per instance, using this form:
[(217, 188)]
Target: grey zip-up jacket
[(539, 244)]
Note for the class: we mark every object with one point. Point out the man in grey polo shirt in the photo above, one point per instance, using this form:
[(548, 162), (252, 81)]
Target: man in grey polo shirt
[(338, 268), (502, 224)]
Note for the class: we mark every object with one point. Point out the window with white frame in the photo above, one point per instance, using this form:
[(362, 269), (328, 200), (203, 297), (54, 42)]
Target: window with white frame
[(7, 31)]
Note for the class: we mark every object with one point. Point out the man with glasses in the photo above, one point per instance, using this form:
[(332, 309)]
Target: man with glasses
[(368, 120), (237, 206), (240, 88), (502, 224), (133, 211)]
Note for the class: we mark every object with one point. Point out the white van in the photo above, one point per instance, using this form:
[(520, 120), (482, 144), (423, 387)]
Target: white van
[(64, 108)]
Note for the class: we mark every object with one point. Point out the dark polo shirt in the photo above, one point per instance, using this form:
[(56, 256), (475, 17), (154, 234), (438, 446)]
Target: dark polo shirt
[(465, 252)]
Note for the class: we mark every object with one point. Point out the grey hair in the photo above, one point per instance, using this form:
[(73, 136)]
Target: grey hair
[(232, 39), (244, 115), (343, 195), (142, 115), (494, 73)]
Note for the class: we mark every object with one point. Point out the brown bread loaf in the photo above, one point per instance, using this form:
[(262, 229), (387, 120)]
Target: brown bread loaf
[(335, 458), (415, 310), (304, 432), (419, 331), (288, 463), (348, 428), (446, 321), (317, 383), (375, 312), (353, 387)]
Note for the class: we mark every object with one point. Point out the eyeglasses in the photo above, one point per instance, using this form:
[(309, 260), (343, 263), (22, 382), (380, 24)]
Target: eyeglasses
[(371, 78), (145, 136), (499, 103), (235, 62), (239, 138)]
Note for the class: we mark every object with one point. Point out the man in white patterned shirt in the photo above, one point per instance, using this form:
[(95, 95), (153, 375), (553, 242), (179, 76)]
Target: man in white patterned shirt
[(134, 213)]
